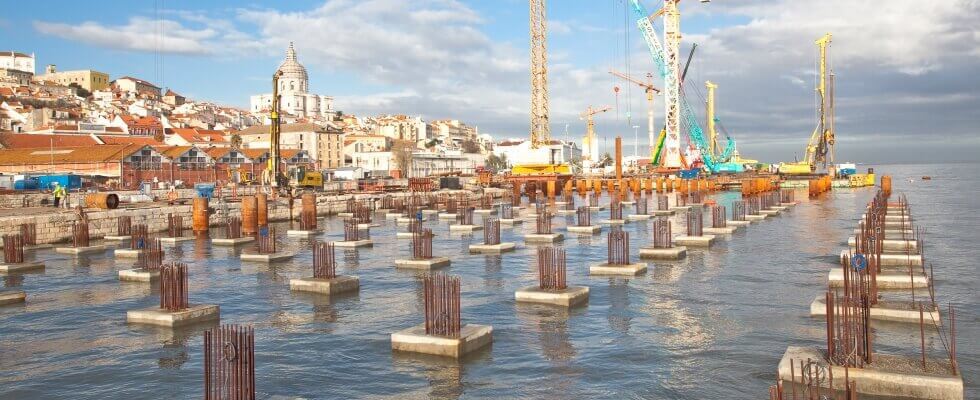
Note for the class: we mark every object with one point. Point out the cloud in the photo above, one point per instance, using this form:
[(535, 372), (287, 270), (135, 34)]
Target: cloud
[(140, 34)]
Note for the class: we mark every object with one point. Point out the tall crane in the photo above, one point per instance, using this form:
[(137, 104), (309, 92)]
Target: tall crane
[(650, 90), (710, 117), (540, 127), (273, 176), (590, 146), (821, 143)]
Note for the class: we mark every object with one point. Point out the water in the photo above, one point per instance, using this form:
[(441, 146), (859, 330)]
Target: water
[(712, 326)]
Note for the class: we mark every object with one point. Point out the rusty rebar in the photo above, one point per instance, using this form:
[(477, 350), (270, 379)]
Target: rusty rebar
[(362, 213), (593, 200), (583, 217), (551, 268), (695, 221), (13, 249), (29, 233), (465, 216), (173, 287), (680, 199), (422, 244), (506, 211), (615, 209), (751, 205), (387, 202), (718, 216), (124, 225), (350, 204), (324, 261), (543, 223), (352, 231), (486, 201), (175, 226), (515, 197), (662, 238), (79, 234), (266, 243), (618, 247), (663, 202), (233, 229), (787, 196), (491, 231), (229, 363), (307, 213), (642, 205), (138, 236), (151, 256), (696, 197), (414, 225), (442, 308), (738, 210)]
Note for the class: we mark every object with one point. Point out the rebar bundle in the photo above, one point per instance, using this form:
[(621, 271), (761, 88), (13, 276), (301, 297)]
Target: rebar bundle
[(442, 311), (543, 223), (816, 383), (680, 199), (569, 200), (307, 220), (229, 363), (486, 201), (79, 234), (593, 200), (29, 233), (324, 262), (696, 197), (695, 222), (615, 209), (363, 213), (233, 229), (515, 197), (619, 247), (138, 236), (351, 204), (491, 231), (583, 217), (422, 244), (175, 226), (13, 249), (387, 202), (551, 268), (738, 210), (506, 211), (351, 230), (266, 244), (662, 238), (718, 216), (642, 205), (414, 225), (752, 205), (151, 258), (465, 217), (452, 205), (124, 225), (663, 202), (787, 196), (173, 287)]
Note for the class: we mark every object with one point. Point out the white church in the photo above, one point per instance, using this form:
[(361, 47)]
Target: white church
[(294, 85)]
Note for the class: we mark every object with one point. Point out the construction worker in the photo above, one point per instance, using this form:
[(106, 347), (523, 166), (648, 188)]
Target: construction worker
[(59, 192)]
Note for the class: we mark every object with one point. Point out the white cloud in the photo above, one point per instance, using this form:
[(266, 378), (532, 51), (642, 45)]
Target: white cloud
[(140, 34)]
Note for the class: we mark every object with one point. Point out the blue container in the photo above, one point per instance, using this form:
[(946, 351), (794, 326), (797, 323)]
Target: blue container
[(204, 190), (690, 173), (67, 181), (26, 184)]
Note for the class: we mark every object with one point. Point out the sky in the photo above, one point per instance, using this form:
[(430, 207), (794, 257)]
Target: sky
[(906, 70)]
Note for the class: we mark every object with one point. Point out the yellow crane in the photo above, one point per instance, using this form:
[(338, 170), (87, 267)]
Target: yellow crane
[(590, 145), (272, 174), (820, 148), (651, 91)]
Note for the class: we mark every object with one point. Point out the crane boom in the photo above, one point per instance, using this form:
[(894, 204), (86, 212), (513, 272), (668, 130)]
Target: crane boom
[(272, 168), (540, 126)]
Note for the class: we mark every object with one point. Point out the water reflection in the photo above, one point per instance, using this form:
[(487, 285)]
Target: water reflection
[(11, 281), (619, 317)]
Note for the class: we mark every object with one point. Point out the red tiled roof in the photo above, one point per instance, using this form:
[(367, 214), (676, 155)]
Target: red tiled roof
[(143, 140), (199, 135), (24, 141)]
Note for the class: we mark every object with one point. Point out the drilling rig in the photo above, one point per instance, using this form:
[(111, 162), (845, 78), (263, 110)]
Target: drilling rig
[(590, 145), (273, 175), (819, 152)]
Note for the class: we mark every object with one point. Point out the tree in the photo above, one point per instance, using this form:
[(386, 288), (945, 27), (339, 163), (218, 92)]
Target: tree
[(79, 90), (470, 146), (401, 153), (496, 163), (236, 141), (605, 161)]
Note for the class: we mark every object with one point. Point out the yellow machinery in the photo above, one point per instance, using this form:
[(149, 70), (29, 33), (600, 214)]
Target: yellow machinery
[(273, 175), (820, 149), (301, 177)]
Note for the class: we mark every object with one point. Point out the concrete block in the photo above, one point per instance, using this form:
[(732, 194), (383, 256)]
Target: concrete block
[(901, 260), (885, 280), (464, 228), (627, 202), (565, 212), (543, 237), (339, 284), (472, 337), (755, 218), (679, 208), (789, 204), (888, 376), (232, 242), (779, 208), (900, 246), (126, 253), (430, 264), (485, 212), (345, 215), (354, 243), (638, 217), (694, 241), (21, 267), (175, 240), (661, 213), (503, 247), (367, 226), (511, 221), (116, 238), (597, 208), (898, 311), (613, 222), (404, 235), (721, 231), (12, 297), (139, 275), (772, 212), (267, 258), (430, 212), (158, 316), (587, 230), (299, 233), (614, 269), (447, 216), (670, 253), (738, 223), (568, 297), (404, 220), (80, 250), (394, 215)]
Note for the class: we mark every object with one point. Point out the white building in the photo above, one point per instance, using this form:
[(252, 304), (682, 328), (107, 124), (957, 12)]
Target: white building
[(425, 163), (18, 61), (519, 151), (294, 86)]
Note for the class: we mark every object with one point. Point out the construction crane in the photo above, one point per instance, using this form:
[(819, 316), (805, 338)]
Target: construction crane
[(821, 143), (272, 174), (590, 146), (650, 90)]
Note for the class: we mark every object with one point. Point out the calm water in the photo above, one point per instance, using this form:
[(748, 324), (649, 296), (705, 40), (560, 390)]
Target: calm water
[(712, 326)]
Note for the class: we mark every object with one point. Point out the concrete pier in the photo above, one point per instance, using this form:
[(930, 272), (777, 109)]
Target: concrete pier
[(902, 246), (424, 264), (888, 376), (901, 311), (25, 266), (738, 223), (613, 222), (267, 258), (503, 247), (618, 269), (354, 243), (472, 337), (485, 211), (139, 275), (81, 250), (465, 228), (300, 233), (565, 212), (126, 253), (885, 280), (339, 284), (770, 212), (161, 317), (671, 253), (12, 297), (586, 230), (694, 241), (116, 238), (175, 240), (232, 242), (661, 213), (721, 231), (638, 217), (755, 217), (511, 221), (543, 237), (569, 297), (447, 215)]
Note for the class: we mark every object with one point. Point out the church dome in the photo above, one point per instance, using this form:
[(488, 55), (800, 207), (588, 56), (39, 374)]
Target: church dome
[(294, 77)]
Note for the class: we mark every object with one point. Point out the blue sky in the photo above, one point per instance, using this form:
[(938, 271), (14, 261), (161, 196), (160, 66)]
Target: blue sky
[(906, 75)]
